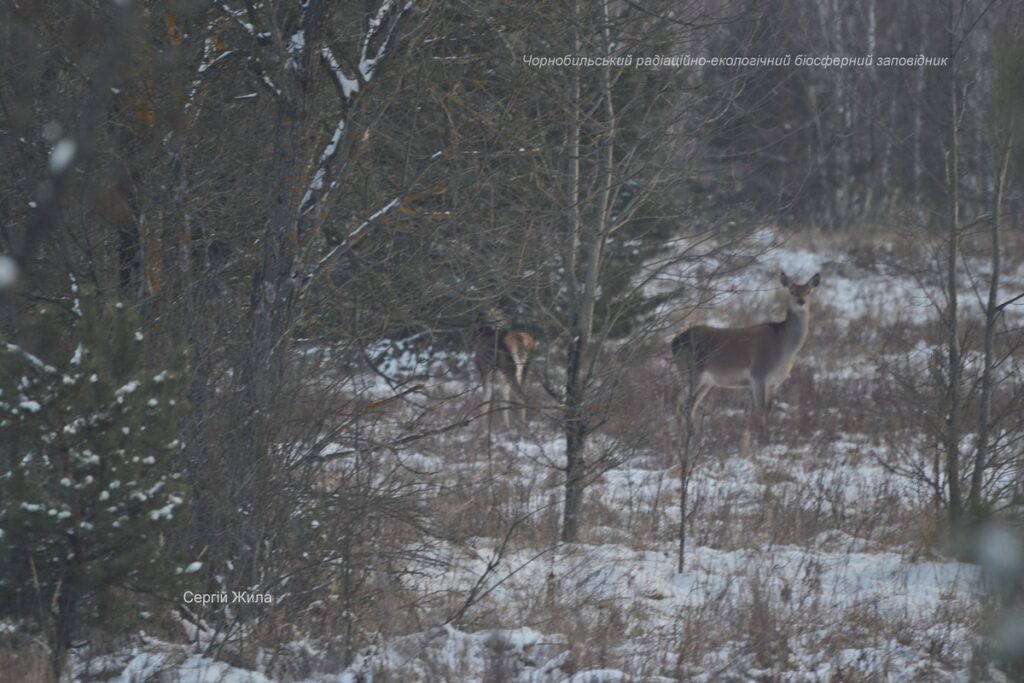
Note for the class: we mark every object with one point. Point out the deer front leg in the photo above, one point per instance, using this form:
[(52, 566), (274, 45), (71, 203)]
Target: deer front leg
[(697, 398), (520, 403)]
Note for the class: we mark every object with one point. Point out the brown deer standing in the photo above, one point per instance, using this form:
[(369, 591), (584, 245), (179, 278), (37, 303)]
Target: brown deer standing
[(757, 358), (502, 357)]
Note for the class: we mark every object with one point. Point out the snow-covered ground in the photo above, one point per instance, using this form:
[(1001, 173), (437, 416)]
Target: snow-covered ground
[(806, 560)]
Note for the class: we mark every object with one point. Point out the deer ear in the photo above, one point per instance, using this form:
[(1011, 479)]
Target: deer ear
[(815, 281), (784, 279)]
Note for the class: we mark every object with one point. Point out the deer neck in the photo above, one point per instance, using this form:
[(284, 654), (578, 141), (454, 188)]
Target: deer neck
[(794, 328)]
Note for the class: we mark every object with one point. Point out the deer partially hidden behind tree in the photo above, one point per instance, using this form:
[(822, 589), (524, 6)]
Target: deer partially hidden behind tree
[(502, 357), (757, 358)]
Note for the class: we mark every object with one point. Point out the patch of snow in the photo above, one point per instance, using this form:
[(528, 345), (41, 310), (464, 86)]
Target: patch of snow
[(62, 156), (8, 271)]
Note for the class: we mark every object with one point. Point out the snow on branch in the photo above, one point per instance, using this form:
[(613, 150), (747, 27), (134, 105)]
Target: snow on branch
[(381, 27), (379, 31), (348, 87), (216, 60), (319, 185), (76, 305), (374, 216), (247, 26), (209, 62), (34, 361), (265, 80), (353, 236), (250, 28), (238, 15)]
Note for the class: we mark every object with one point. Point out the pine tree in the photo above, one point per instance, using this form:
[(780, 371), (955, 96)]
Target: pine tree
[(89, 486)]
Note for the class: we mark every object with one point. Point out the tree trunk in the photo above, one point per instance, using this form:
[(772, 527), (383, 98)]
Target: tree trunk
[(684, 486), (575, 439), (63, 624), (918, 130), (575, 429), (991, 316), (583, 301), (952, 445), (272, 293)]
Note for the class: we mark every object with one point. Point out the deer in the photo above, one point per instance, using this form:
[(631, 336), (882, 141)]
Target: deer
[(502, 356), (757, 358)]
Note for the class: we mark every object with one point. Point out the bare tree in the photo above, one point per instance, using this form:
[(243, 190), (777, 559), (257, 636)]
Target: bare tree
[(966, 448)]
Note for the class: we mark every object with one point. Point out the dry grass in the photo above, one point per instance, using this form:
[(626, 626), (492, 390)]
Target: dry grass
[(24, 659)]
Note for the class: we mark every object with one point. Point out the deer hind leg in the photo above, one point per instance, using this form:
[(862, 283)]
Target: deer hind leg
[(769, 401), (759, 411), (520, 392), (505, 389)]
